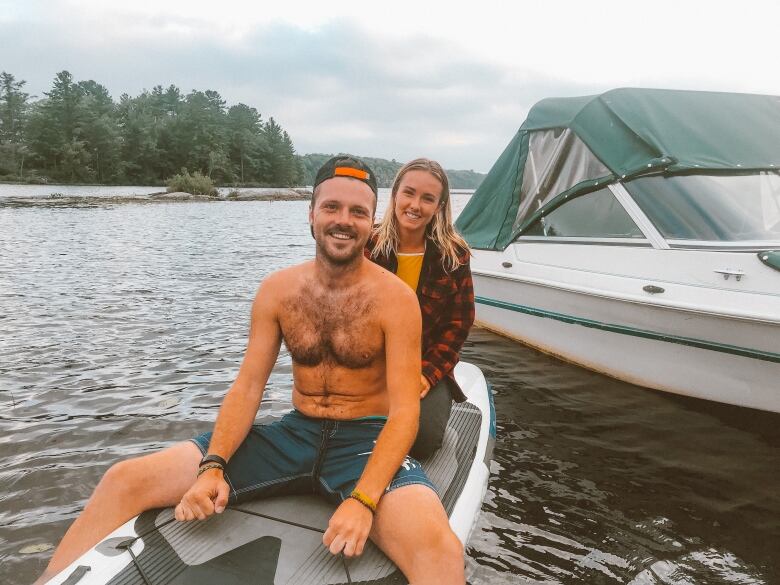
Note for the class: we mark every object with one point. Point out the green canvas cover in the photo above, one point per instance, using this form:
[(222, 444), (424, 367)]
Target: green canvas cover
[(632, 132)]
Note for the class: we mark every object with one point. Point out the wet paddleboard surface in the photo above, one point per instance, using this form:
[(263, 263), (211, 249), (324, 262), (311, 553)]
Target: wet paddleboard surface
[(278, 540)]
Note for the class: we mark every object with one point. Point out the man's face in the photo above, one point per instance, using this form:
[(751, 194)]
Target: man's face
[(341, 217)]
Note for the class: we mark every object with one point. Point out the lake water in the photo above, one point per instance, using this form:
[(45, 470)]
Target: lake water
[(123, 325)]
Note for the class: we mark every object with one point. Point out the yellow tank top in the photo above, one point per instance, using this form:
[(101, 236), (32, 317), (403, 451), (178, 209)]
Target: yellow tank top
[(409, 268)]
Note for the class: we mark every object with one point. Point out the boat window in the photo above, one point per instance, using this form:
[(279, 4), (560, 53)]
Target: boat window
[(711, 208), (557, 160), (593, 215)]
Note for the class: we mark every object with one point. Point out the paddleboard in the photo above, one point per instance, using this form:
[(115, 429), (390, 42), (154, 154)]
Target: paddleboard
[(278, 541)]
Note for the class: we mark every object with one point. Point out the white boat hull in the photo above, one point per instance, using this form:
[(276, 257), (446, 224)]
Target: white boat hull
[(723, 347)]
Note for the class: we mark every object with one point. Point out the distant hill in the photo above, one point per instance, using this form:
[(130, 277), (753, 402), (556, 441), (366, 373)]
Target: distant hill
[(386, 170)]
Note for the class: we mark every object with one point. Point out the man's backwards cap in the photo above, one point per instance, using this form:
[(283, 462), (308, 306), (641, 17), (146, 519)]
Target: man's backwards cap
[(346, 166)]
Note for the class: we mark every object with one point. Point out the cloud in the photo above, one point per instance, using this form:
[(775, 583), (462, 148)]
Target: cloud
[(338, 86), (334, 89)]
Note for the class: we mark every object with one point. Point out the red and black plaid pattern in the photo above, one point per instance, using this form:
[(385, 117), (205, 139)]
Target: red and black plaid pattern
[(447, 307)]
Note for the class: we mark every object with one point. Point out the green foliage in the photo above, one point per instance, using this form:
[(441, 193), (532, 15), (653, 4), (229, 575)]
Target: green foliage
[(386, 170), (195, 183), (78, 133), (13, 112), (464, 179)]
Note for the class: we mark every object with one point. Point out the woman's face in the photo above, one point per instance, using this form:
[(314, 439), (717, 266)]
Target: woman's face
[(417, 200)]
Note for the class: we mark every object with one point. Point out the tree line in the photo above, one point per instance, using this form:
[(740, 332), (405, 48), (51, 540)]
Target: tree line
[(78, 134), (386, 170)]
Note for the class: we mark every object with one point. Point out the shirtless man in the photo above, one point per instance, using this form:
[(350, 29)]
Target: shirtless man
[(353, 331)]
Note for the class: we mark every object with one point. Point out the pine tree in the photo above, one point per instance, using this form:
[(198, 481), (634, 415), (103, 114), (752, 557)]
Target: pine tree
[(139, 144), (99, 131), (291, 171), (203, 133), (285, 169), (247, 148), (55, 128), (13, 109)]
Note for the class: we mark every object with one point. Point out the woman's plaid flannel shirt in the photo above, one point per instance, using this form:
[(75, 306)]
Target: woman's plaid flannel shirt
[(447, 307)]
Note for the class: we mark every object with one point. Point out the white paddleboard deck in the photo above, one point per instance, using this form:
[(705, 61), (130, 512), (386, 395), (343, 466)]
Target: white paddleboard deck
[(278, 541)]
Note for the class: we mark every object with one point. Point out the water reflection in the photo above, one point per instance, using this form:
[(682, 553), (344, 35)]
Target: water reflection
[(598, 481)]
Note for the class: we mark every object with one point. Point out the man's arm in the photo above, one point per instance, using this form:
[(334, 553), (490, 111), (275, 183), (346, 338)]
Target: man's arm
[(402, 349), (351, 523), (209, 493)]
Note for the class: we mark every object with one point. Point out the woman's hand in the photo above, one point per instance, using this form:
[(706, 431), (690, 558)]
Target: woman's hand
[(426, 387)]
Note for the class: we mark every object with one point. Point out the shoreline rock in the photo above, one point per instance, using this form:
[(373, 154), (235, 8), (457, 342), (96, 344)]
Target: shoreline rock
[(269, 194), (60, 200), (179, 196)]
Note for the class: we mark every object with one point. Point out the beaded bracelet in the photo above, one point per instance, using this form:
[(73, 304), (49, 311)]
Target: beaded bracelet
[(208, 466), (363, 499)]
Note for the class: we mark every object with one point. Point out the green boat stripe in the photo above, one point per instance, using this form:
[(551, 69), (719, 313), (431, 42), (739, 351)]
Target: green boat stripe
[(623, 330)]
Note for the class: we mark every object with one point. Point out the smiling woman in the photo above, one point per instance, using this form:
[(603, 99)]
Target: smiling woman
[(417, 241)]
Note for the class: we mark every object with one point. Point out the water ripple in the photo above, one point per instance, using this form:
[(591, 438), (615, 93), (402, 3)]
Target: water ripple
[(124, 325)]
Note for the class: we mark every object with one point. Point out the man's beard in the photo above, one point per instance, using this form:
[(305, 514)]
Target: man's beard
[(339, 260)]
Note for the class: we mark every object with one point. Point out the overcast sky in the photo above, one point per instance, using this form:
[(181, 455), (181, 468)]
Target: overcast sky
[(395, 79)]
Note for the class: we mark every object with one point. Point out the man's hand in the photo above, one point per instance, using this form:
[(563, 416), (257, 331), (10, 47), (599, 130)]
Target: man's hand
[(348, 528), (207, 495), (426, 387)]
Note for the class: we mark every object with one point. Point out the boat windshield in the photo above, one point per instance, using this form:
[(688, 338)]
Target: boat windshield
[(711, 208)]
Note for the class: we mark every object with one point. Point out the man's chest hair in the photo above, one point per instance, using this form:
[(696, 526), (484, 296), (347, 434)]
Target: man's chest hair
[(332, 326)]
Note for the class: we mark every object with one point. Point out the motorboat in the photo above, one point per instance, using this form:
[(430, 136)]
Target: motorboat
[(637, 233)]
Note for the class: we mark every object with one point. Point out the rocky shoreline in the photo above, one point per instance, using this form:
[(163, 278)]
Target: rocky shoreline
[(60, 200), (269, 194)]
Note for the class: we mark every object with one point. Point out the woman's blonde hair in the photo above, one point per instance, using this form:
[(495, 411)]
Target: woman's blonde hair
[(440, 231)]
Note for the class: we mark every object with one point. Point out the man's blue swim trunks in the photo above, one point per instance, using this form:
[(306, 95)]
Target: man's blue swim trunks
[(302, 455)]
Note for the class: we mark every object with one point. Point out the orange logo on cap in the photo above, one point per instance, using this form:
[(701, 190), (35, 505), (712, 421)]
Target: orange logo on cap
[(350, 172)]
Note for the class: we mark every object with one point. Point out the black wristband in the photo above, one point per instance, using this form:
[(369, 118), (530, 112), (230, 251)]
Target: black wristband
[(213, 459)]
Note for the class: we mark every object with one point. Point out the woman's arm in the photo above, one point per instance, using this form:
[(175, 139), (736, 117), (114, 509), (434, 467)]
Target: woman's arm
[(440, 357)]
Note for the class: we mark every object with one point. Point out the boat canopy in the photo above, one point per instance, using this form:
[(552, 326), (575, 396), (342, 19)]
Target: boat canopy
[(570, 146)]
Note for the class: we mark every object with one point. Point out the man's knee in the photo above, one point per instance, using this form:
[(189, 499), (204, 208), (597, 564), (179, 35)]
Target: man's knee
[(430, 528), (122, 477), (448, 545), (441, 554)]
